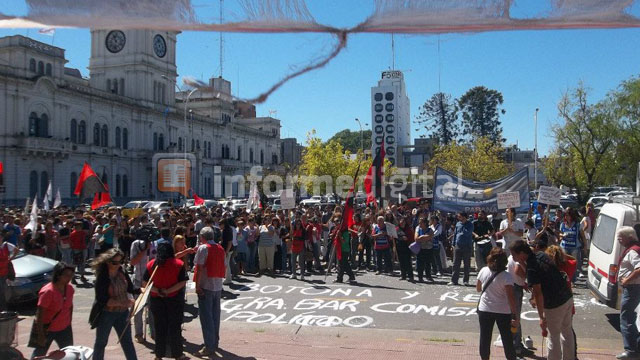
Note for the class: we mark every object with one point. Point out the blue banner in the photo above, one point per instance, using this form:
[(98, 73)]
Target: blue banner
[(453, 194)]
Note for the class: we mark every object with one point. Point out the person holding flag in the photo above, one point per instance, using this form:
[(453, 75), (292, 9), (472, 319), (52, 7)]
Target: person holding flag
[(90, 186), (373, 182)]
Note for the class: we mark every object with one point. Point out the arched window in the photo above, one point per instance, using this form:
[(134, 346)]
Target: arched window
[(251, 155), (82, 132), (40, 68), (125, 186), (274, 159), (49, 71), (104, 136), (118, 137), (161, 142), (210, 149), (32, 65), (179, 144), (222, 153), (96, 134), (72, 184), (33, 124), (33, 183), (239, 153), (44, 183), (43, 126), (261, 157), (125, 138), (155, 141), (105, 178), (118, 185), (73, 131)]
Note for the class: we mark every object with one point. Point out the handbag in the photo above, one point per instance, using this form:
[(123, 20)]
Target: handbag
[(33, 335), (415, 247)]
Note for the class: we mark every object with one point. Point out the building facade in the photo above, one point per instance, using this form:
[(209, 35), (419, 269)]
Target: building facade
[(291, 152), (53, 120), (390, 115)]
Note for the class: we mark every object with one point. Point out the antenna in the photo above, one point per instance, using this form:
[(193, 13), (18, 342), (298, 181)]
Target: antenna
[(273, 112), (221, 38), (393, 53), (439, 64)]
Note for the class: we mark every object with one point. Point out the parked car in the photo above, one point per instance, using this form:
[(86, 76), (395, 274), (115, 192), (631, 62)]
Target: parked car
[(32, 273), (207, 203), (134, 209), (314, 200), (605, 251), (598, 201), (157, 205), (235, 204)]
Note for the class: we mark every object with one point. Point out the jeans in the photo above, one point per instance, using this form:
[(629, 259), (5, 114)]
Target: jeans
[(561, 341), (386, 255), (628, 315), (518, 293), (209, 309), (265, 255), (168, 314), (404, 256), (436, 262), (366, 249), (283, 255), (118, 321), (423, 261), (251, 261), (479, 254), (67, 258), (63, 338), (227, 263), (487, 319), (3, 293), (345, 266), (576, 253), (461, 254), (316, 256), (81, 256), (297, 258)]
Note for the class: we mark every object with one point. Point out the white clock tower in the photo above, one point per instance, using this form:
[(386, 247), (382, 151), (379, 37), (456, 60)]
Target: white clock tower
[(139, 64)]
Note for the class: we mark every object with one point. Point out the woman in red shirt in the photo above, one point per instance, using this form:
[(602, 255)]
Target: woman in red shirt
[(55, 307), (166, 303)]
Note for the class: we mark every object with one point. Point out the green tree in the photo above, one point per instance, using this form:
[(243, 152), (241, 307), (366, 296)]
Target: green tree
[(481, 160), (353, 141), (626, 101), (585, 142), (439, 116), (481, 109)]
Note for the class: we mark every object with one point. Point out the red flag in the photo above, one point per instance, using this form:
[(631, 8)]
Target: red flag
[(197, 200), (373, 181), (1, 168), (89, 183), (101, 199)]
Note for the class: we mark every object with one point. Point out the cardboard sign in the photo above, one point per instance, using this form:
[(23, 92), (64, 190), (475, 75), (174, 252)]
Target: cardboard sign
[(287, 199), (549, 195), (509, 200)]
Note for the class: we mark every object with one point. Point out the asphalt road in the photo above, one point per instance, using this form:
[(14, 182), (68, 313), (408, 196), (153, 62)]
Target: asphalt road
[(375, 301)]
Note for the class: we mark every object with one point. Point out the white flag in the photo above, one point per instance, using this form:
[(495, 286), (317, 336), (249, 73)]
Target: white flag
[(58, 201), (26, 207), (254, 198), (47, 31), (50, 191), (33, 217), (48, 197), (45, 202)]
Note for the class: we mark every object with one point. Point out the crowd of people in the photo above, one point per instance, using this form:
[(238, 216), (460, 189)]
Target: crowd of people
[(535, 252)]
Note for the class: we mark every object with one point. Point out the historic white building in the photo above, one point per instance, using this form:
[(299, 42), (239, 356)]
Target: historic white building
[(53, 120)]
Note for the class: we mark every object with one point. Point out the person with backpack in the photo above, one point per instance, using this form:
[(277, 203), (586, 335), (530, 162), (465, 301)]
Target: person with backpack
[(497, 304), (629, 279), (553, 299)]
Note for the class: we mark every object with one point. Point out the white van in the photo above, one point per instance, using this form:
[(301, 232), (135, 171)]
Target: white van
[(605, 251)]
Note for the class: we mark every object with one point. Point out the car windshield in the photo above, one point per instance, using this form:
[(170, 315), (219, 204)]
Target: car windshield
[(605, 233), (131, 205)]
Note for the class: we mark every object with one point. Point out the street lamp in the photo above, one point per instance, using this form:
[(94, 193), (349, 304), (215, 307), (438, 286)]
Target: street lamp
[(361, 135), (535, 150)]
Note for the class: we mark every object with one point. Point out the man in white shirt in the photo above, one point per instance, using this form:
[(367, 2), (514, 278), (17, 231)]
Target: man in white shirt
[(629, 279), (140, 255), (519, 274), (511, 229)]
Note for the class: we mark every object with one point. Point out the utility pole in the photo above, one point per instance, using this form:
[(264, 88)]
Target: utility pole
[(221, 38)]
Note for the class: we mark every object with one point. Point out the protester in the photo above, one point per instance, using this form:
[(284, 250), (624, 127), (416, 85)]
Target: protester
[(226, 227), (78, 240), (209, 275), (629, 278), (64, 243), (7, 252), (518, 274), (51, 240), (383, 242), (167, 304), (511, 229), (113, 299), (497, 304), (553, 299), (298, 234), (405, 238), (439, 255), (343, 242), (140, 255), (424, 236), (252, 236), (482, 233), (242, 251), (266, 245), (364, 244), (55, 310), (463, 248), (570, 236)]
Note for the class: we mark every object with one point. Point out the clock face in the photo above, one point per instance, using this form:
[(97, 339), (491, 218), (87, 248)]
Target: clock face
[(159, 46), (115, 41)]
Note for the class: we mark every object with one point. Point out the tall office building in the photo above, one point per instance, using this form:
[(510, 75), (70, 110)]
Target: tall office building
[(390, 116)]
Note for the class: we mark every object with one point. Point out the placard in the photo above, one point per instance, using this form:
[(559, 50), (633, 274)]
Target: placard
[(549, 195), (509, 200), (287, 199)]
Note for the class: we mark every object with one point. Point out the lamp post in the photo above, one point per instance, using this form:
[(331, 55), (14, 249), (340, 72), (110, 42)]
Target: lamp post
[(361, 136), (535, 150)]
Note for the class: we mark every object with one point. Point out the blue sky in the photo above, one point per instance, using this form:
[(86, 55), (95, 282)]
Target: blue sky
[(531, 68)]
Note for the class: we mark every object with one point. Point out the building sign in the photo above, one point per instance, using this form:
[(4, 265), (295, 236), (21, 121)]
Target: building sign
[(395, 74)]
